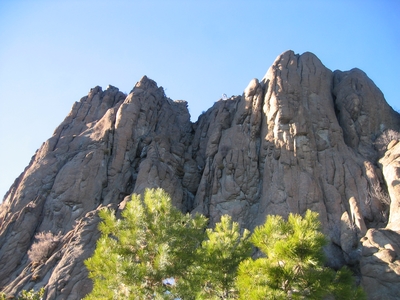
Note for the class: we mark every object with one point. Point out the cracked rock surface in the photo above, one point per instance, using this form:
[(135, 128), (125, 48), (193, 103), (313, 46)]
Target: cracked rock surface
[(303, 137)]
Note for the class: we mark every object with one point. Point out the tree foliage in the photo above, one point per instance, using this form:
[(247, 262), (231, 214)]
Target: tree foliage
[(213, 274), (293, 266), (153, 241)]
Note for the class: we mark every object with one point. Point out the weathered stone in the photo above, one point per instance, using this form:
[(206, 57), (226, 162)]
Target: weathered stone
[(380, 261), (92, 160), (360, 106), (391, 170), (301, 138), (380, 264)]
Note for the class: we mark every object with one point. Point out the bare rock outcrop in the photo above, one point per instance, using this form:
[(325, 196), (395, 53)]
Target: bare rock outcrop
[(380, 261), (303, 137), (362, 111), (391, 170), (109, 146)]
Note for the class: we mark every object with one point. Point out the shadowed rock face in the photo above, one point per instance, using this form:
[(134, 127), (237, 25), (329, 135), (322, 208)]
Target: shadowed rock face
[(301, 138)]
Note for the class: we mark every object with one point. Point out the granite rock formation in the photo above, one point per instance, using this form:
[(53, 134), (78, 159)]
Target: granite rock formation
[(303, 137)]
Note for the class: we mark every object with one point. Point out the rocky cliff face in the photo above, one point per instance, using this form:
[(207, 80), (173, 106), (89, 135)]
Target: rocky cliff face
[(303, 137)]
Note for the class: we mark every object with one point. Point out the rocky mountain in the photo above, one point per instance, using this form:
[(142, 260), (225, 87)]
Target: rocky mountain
[(303, 137)]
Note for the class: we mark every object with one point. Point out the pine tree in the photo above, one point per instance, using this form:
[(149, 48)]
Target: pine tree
[(212, 276), (153, 241), (294, 264)]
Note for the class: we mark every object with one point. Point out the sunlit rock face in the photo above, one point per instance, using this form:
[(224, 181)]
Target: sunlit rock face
[(303, 137)]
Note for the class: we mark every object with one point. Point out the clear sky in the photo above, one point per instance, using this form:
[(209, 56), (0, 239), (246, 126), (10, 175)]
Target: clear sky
[(52, 52)]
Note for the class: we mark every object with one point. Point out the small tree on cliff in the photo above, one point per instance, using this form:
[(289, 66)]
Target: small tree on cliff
[(294, 264), (153, 241)]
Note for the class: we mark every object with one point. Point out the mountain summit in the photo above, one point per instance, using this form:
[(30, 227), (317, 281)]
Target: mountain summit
[(303, 137)]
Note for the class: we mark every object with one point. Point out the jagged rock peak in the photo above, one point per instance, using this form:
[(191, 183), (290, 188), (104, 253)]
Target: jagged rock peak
[(145, 83), (302, 137)]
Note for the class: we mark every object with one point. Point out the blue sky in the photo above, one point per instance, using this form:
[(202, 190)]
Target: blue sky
[(52, 52)]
